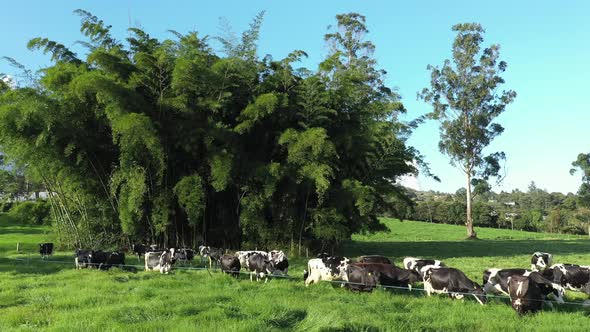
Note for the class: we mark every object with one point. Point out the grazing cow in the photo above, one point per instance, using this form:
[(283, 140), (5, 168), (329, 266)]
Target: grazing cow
[(416, 264), (527, 292), (230, 264), (571, 276), (541, 261), (105, 260), (184, 255), (46, 250), (446, 280), (497, 280), (159, 260), (391, 275), (83, 258), (360, 279), (375, 259), (243, 256), (212, 254), (260, 266), (327, 268), (280, 261)]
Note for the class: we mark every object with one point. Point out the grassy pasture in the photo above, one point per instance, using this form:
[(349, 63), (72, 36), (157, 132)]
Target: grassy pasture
[(37, 296)]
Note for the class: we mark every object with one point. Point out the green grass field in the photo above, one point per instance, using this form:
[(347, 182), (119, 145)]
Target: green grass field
[(37, 296)]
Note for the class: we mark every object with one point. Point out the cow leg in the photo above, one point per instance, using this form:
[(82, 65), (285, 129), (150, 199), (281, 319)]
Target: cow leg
[(251, 277)]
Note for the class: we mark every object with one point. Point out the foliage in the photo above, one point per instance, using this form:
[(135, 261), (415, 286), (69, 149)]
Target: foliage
[(32, 213), (168, 142), (464, 99)]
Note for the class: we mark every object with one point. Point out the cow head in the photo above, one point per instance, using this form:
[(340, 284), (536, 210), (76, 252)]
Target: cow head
[(204, 251), (479, 294), (541, 261)]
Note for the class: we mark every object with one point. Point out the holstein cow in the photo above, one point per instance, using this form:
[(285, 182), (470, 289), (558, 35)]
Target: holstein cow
[(140, 250), (159, 260), (571, 276), (243, 256), (83, 258), (212, 254), (391, 275), (541, 261), (327, 268), (281, 263), (260, 266), (230, 264), (446, 280), (46, 250), (184, 255), (416, 264), (375, 259), (527, 292), (496, 281), (360, 279)]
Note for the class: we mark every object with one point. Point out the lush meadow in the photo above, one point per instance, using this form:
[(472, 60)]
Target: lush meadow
[(36, 296)]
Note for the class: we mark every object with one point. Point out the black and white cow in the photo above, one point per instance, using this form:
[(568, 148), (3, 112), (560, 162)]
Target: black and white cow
[(244, 255), (391, 275), (527, 292), (184, 255), (374, 259), (446, 280), (416, 264), (541, 261), (211, 253), (230, 264), (496, 281), (105, 260), (159, 260), (570, 276), (327, 268), (83, 258), (360, 279), (140, 250), (46, 250), (260, 266), (280, 261)]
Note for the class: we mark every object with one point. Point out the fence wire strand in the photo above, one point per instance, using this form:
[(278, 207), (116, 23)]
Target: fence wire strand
[(287, 277)]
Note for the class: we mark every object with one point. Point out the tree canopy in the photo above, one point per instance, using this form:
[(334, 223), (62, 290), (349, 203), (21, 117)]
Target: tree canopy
[(170, 142)]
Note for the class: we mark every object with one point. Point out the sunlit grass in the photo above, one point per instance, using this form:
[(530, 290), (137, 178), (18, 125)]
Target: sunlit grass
[(37, 296)]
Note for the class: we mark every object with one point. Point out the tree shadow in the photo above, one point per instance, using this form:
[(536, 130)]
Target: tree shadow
[(453, 249)]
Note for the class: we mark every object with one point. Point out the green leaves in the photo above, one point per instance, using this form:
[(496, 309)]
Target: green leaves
[(189, 191)]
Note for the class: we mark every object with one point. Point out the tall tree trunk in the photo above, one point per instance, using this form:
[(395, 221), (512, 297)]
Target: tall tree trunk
[(470, 231)]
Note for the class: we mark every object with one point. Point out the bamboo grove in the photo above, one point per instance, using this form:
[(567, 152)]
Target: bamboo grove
[(171, 142)]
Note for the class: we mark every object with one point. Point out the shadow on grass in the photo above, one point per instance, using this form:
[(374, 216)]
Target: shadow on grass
[(450, 249)]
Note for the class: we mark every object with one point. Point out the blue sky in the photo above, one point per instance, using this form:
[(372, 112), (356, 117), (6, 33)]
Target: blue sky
[(546, 45)]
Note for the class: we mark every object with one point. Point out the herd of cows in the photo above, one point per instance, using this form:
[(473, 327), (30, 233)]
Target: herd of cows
[(528, 289)]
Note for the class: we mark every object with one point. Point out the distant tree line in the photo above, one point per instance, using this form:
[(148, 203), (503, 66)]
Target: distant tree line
[(170, 142), (535, 210)]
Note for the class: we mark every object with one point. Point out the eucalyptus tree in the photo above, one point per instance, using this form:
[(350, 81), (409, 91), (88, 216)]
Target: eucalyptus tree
[(582, 164), (466, 101)]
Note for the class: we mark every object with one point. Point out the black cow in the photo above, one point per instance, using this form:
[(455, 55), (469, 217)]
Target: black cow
[(391, 275), (230, 264), (83, 258), (527, 292), (571, 276), (260, 266), (46, 250), (416, 264), (497, 280), (378, 259), (140, 250), (360, 279), (105, 260), (541, 261), (446, 280)]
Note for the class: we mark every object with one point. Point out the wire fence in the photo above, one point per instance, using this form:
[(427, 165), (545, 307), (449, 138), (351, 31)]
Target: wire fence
[(287, 277)]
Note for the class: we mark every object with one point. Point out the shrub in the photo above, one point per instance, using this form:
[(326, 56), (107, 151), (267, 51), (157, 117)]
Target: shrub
[(35, 213)]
